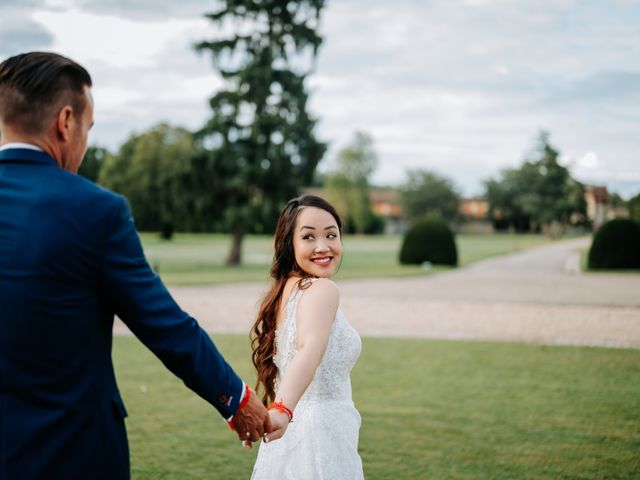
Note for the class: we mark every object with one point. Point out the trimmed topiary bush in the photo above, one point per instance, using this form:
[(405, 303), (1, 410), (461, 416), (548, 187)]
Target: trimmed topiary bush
[(429, 240), (616, 245)]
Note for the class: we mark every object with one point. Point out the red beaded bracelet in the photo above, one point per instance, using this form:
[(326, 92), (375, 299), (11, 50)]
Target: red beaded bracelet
[(245, 400), (282, 408)]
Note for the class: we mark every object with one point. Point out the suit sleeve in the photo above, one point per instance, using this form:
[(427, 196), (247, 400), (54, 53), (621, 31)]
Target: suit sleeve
[(141, 300)]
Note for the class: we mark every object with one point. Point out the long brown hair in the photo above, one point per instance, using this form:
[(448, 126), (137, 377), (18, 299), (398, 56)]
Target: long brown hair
[(263, 332)]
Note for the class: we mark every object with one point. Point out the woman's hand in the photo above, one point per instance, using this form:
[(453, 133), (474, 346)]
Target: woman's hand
[(279, 424)]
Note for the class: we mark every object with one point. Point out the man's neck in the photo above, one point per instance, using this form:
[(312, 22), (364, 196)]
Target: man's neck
[(29, 146), (11, 136)]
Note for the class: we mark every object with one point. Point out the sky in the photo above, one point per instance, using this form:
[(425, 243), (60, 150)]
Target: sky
[(460, 87)]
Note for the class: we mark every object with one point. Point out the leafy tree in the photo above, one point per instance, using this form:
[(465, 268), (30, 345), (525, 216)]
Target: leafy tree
[(348, 185), (503, 209), (634, 208), (260, 138), (616, 201), (92, 162), (540, 192), (154, 171), (427, 193)]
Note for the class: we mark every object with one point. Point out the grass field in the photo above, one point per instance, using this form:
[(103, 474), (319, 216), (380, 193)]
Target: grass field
[(430, 409), (192, 259)]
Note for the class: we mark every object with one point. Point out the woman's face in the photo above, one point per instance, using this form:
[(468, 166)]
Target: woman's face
[(316, 242)]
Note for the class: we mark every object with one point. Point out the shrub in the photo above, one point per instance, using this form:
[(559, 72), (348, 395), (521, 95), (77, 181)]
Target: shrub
[(375, 225), (616, 245), (429, 240)]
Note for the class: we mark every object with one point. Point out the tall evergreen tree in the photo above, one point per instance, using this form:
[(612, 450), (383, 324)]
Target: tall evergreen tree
[(260, 138)]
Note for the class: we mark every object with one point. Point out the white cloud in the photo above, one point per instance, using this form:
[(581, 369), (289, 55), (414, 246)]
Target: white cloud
[(143, 72), (458, 86), (588, 161), (18, 32), (113, 40)]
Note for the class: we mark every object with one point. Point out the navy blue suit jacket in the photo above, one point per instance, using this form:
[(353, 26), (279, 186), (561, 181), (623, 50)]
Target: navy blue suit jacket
[(70, 259)]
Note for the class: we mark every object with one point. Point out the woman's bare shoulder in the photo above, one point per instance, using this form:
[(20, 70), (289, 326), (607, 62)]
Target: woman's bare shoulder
[(324, 289)]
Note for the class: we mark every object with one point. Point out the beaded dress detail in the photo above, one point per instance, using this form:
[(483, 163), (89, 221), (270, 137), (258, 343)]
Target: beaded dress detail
[(322, 441)]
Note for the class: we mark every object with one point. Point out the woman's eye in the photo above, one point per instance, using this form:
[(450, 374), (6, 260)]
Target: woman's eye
[(308, 237), (331, 236)]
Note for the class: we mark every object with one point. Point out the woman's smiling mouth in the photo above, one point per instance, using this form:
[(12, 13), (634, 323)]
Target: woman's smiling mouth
[(322, 260)]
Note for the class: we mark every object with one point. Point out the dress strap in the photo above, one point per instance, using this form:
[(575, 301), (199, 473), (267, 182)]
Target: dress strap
[(297, 293), (294, 298)]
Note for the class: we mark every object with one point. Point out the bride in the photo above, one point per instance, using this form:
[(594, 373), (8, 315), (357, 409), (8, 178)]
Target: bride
[(303, 350)]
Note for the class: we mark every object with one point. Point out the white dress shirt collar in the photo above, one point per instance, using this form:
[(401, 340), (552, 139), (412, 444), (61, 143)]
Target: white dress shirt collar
[(20, 145)]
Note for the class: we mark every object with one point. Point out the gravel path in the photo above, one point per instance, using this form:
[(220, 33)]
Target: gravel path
[(534, 296)]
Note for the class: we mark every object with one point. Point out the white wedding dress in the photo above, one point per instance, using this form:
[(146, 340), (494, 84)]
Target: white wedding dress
[(322, 441)]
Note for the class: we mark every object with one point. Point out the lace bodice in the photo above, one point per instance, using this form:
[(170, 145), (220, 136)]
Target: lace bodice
[(331, 381), (322, 441)]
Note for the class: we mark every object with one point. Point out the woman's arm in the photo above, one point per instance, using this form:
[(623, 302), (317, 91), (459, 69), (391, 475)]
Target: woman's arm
[(315, 314)]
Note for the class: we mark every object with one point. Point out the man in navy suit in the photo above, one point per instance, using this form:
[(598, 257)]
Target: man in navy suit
[(70, 259)]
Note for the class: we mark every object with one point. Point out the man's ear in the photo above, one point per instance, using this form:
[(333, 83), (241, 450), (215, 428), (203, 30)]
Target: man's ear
[(64, 123)]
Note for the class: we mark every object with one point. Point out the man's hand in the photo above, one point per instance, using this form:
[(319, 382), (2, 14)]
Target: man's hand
[(252, 421)]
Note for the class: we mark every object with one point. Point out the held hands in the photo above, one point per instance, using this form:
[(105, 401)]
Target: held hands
[(252, 421)]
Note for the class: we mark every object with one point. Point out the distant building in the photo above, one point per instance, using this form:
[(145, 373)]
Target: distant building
[(386, 203), (597, 198), (601, 205), (475, 215), (475, 208)]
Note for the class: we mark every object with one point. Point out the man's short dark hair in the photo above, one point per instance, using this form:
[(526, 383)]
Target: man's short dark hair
[(35, 85)]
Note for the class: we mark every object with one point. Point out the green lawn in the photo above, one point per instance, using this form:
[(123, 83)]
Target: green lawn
[(199, 258), (430, 410)]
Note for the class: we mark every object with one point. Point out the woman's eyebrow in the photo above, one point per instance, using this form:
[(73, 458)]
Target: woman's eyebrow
[(313, 228)]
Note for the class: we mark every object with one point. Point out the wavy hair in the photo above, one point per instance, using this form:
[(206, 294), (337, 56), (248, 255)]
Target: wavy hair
[(284, 265)]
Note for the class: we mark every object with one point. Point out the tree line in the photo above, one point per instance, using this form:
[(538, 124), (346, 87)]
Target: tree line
[(259, 148), (174, 183)]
